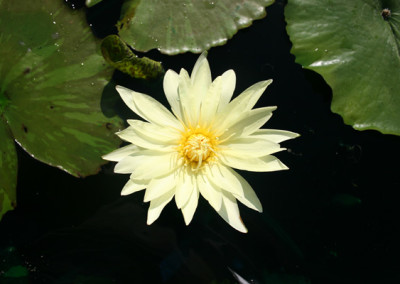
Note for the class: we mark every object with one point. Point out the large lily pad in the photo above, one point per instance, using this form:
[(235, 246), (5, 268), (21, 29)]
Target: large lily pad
[(51, 81), (354, 45), (176, 26)]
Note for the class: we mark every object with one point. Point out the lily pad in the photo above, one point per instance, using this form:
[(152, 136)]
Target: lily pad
[(177, 26), (51, 81), (354, 45)]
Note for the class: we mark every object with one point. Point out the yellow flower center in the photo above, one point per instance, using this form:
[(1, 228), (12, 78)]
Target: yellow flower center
[(197, 148)]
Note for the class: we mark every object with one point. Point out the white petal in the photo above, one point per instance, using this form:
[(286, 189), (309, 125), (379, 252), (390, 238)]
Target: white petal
[(132, 135), (171, 82), (275, 135), (230, 212), (148, 108), (133, 186), (249, 147), (243, 103), (190, 207), (147, 164), (209, 191), (249, 122), (228, 87), (121, 153), (263, 164), (159, 186), (186, 184), (210, 103), (201, 76), (190, 104), (157, 205), (223, 177), (249, 198), (154, 131)]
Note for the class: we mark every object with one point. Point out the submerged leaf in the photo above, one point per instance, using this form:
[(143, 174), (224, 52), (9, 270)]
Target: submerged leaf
[(176, 26), (53, 79), (354, 45), (120, 56)]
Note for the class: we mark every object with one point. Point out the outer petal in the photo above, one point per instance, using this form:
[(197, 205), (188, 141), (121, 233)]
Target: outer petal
[(228, 86), (263, 164), (201, 76), (133, 186), (186, 184), (249, 147), (249, 198), (243, 103), (275, 135), (157, 205), (153, 142), (249, 122), (223, 177), (190, 207), (119, 154), (230, 212), (210, 103), (148, 108), (154, 131), (171, 83), (147, 164), (159, 186), (209, 191)]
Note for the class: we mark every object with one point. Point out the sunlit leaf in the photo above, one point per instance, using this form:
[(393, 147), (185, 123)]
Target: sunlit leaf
[(52, 77), (120, 56), (91, 3), (176, 26), (354, 45), (8, 170)]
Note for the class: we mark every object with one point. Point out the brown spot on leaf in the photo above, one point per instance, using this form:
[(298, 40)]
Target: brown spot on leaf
[(26, 71), (386, 14), (109, 125), (25, 128)]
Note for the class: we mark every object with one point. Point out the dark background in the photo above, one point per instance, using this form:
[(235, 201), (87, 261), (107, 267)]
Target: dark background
[(332, 218)]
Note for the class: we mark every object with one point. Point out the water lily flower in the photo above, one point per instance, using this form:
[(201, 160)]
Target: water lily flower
[(192, 151)]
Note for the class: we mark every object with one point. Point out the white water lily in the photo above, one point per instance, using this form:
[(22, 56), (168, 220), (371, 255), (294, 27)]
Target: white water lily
[(193, 150)]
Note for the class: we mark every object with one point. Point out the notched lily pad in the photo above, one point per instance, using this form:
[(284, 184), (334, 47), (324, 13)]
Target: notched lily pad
[(51, 81), (354, 45), (176, 26), (118, 54)]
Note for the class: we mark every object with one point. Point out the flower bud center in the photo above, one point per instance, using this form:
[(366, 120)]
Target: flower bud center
[(197, 148)]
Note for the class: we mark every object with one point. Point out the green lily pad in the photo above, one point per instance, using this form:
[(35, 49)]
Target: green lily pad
[(354, 45), (51, 82), (8, 170), (177, 26)]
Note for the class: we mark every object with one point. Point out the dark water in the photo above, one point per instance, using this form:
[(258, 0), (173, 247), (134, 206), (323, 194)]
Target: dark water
[(332, 218)]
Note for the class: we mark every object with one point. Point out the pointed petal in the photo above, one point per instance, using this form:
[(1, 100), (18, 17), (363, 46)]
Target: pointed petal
[(228, 87), (147, 164), (275, 135), (249, 147), (133, 186), (186, 184), (157, 205), (210, 192), (201, 76), (190, 207), (267, 163), (190, 104), (242, 104), (119, 154), (210, 103), (154, 131), (148, 108), (249, 198), (159, 186), (153, 142), (171, 82), (223, 177), (230, 212), (249, 122)]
